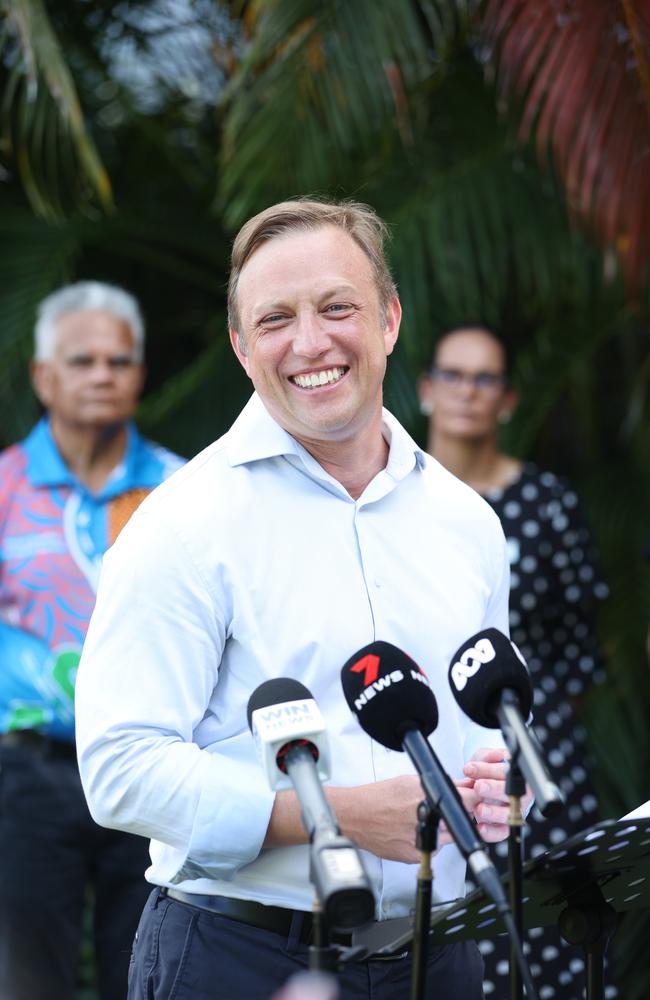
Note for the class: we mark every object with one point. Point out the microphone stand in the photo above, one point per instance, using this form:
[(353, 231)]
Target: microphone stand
[(426, 840), (324, 955), (515, 788)]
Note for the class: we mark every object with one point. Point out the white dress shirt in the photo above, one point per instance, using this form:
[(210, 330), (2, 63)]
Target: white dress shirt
[(252, 562)]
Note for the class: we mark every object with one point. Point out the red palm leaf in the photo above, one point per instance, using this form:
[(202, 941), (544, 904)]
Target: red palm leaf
[(580, 69)]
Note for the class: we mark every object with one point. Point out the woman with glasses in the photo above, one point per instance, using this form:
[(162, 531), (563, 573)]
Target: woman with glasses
[(555, 588)]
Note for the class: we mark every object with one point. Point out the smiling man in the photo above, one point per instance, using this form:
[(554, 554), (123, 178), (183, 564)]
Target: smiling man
[(65, 492), (313, 335), (313, 527)]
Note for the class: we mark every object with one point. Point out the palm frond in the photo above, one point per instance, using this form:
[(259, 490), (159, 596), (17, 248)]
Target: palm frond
[(43, 123), (580, 71), (34, 258), (317, 84)]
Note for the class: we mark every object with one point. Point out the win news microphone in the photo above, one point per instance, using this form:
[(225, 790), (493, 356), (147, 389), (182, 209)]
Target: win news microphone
[(289, 733), (394, 704), (490, 681)]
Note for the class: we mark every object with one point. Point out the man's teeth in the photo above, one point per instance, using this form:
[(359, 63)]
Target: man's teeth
[(327, 377)]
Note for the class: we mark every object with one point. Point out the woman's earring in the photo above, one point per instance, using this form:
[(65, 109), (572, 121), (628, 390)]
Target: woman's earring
[(426, 407), (504, 417)]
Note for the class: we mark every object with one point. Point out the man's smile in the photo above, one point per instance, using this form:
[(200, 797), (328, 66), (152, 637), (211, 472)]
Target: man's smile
[(310, 380)]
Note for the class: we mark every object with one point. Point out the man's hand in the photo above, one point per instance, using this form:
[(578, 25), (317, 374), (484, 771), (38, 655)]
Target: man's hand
[(381, 817), (484, 793)]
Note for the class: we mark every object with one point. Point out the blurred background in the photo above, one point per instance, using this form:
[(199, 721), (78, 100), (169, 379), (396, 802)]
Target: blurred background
[(506, 143)]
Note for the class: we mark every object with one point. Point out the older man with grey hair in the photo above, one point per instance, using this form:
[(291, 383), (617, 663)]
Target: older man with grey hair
[(65, 493)]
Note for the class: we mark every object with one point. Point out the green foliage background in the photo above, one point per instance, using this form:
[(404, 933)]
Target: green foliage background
[(137, 137)]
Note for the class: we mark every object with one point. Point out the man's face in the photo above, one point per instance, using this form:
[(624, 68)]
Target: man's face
[(315, 340), (92, 379)]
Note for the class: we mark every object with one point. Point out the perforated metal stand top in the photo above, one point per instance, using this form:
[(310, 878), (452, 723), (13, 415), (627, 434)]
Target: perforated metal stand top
[(581, 886)]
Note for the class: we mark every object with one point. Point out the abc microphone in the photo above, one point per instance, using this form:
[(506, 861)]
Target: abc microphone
[(394, 704), (289, 733), (490, 681)]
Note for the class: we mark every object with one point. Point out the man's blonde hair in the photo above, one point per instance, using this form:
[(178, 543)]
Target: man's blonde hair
[(360, 221)]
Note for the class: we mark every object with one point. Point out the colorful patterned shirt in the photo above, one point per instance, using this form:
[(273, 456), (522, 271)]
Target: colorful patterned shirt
[(53, 535)]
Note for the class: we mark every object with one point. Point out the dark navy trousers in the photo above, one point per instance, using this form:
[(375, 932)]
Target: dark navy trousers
[(183, 953), (51, 852)]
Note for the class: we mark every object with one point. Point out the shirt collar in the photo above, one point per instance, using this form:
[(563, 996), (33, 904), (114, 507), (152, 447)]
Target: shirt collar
[(255, 435), (46, 467)]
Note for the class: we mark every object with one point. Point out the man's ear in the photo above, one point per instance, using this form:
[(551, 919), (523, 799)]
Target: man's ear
[(41, 375), (239, 350), (393, 320)]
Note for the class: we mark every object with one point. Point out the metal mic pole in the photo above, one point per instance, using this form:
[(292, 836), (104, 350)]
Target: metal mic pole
[(321, 957), (515, 788), (426, 840)]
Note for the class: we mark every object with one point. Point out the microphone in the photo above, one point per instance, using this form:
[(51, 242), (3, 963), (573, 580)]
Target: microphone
[(490, 681), (289, 733), (392, 700)]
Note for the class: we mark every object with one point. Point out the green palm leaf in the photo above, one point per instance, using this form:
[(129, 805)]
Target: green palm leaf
[(318, 83), (43, 123), (34, 258)]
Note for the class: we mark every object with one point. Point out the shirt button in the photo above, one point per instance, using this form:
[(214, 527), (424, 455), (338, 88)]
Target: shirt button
[(377, 582)]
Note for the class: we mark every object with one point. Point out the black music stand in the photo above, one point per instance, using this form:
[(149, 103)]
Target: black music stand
[(581, 886)]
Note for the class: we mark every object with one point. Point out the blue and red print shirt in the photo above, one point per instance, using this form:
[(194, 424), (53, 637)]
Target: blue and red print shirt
[(53, 535)]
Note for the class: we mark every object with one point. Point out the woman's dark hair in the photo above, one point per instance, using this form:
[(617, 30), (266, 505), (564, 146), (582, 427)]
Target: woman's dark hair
[(478, 325)]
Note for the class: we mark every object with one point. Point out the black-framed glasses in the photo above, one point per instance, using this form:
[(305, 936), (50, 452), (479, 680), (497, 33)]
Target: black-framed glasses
[(454, 378)]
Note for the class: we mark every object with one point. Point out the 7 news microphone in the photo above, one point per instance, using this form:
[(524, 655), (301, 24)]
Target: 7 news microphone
[(394, 704), (489, 679), (289, 732)]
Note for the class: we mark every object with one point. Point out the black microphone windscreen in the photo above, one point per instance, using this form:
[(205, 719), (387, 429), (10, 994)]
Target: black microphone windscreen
[(275, 692), (482, 668), (388, 693)]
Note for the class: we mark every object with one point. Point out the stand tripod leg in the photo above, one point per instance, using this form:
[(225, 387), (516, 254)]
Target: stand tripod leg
[(426, 839), (515, 859), (421, 929), (596, 972), (515, 788), (322, 958)]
